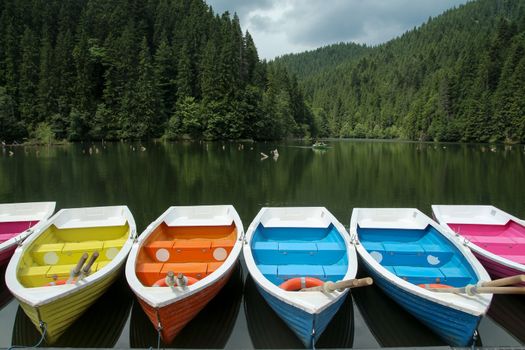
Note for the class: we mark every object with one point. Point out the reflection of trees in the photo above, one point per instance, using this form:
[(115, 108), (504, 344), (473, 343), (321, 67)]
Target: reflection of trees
[(349, 174)]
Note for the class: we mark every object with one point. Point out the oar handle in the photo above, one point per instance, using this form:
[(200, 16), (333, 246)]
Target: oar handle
[(90, 263), (330, 287), (505, 281), (76, 269)]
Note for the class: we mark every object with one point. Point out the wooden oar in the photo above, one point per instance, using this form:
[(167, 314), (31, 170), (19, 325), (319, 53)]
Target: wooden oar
[(76, 270), (507, 281), (473, 290), (329, 287), (487, 287)]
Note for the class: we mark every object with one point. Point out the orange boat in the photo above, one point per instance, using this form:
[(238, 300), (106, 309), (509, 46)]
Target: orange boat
[(181, 261)]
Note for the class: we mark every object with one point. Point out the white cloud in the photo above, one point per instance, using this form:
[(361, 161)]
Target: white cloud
[(284, 26)]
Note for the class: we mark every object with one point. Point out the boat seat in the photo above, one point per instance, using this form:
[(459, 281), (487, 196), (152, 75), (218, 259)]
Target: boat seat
[(219, 246), (47, 254), (419, 275), (265, 252), (291, 271), (6, 236), (72, 252), (329, 252), (491, 240), (404, 248), (111, 248), (180, 251), (196, 270), (520, 259), (100, 264), (148, 273), (455, 276), (373, 246), (409, 254), (34, 276), (212, 267), (334, 272), (270, 272)]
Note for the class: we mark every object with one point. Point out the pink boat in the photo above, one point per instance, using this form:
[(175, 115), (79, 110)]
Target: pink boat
[(496, 237), (19, 220)]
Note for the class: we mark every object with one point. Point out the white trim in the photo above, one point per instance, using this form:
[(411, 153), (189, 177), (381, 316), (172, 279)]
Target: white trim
[(475, 305), (38, 296), (158, 297), (311, 302)]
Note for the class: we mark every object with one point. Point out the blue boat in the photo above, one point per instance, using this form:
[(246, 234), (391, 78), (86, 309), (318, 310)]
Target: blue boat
[(288, 249), (406, 253)]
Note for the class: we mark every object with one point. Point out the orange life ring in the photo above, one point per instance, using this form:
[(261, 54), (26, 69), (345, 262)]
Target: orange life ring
[(298, 283), (56, 283), (437, 286), (162, 282)]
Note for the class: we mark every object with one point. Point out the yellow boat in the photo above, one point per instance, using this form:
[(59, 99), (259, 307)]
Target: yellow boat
[(61, 270)]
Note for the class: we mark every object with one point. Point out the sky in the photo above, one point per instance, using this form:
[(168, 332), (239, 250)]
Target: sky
[(287, 26)]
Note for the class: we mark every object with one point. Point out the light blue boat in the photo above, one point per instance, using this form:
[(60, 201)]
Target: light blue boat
[(406, 252), (303, 247)]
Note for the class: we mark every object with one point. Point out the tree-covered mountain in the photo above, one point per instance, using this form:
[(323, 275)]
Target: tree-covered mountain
[(131, 69), (312, 62), (458, 77)]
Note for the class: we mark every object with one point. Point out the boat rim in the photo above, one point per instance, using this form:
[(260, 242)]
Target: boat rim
[(158, 297), (39, 296), (304, 300), (476, 305)]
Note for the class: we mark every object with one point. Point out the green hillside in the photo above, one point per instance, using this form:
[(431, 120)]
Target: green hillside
[(137, 69), (312, 62), (458, 77)]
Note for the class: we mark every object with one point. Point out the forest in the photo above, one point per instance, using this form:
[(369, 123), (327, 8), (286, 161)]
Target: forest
[(458, 77), (138, 69), (141, 69)]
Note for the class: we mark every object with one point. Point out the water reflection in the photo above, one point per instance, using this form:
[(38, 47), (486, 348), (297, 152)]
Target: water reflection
[(5, 294), (268, 331), (509, 311), (99, 327), (210, 329), (390, 324)]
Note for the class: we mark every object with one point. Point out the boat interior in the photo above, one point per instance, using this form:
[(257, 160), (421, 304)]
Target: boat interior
[(195, 251), (52, 256), (419, 256), (282, 253), (507, 241), (9, 230)]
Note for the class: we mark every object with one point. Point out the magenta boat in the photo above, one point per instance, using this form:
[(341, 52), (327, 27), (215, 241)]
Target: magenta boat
[(19, 220), (496, 238)]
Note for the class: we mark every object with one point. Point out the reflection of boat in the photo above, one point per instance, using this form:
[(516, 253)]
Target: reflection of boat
[(40, 274), (302, 246), (268, 331), (181, 261), (509, 311), (19, 220), (210, 329), (405, 252), (5, 294), (320, 145), (496, 238), (391, 325), (99, 327)]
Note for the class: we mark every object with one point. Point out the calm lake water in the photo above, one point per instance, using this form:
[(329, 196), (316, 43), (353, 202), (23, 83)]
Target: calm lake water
[(349, 174)]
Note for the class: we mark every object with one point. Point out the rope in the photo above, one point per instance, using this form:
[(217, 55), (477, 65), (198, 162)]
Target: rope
[(43, 327)]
